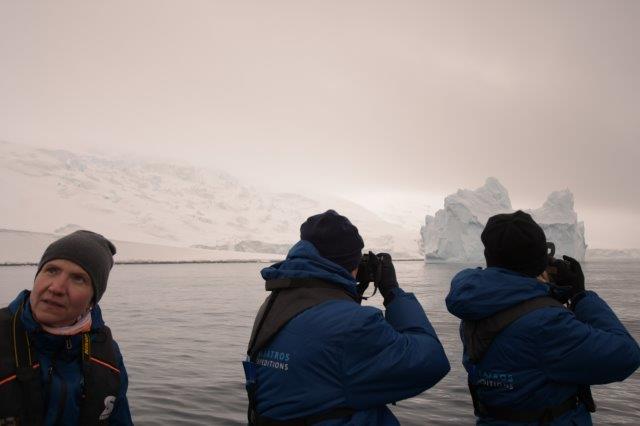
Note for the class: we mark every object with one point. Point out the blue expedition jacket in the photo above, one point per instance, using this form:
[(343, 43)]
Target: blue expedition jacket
[(52, 349), (341, 354), (541, 358)]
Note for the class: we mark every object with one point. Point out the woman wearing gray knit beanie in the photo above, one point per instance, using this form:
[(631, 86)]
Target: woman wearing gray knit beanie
[(58, 361)]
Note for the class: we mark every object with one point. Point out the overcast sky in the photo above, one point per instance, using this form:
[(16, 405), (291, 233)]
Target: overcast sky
[(350, 97)]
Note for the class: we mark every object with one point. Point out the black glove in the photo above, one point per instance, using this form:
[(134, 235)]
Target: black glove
[(388, 280), (561, 293), (570, 274)]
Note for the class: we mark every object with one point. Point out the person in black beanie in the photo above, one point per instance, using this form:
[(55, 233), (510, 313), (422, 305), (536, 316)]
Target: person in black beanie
[(530, 359), (54, 345), (515, 241), (316, 354)]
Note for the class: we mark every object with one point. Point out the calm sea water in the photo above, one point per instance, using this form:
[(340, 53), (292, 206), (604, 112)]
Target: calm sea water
[(183, 330)]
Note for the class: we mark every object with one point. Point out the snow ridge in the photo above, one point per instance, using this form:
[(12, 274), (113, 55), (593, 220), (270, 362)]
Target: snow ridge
[(55, 191)]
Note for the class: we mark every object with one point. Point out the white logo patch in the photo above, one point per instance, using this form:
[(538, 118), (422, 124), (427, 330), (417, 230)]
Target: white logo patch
[(108, 407)]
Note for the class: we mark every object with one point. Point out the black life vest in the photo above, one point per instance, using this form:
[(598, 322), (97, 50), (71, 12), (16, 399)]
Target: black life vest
[(21, 396), (478, 336), (288, 298)]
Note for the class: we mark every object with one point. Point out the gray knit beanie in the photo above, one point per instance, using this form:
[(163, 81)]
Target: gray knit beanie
[(91, 251)]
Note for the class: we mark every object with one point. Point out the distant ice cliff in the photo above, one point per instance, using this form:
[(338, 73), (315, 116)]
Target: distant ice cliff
[(453, 234)]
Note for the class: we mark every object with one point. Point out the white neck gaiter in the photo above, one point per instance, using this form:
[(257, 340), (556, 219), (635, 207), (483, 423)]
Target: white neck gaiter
[(82, 324)]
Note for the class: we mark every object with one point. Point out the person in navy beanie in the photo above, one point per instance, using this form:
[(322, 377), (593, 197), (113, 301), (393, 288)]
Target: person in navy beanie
[(335, 238), (58, 361), (316, 355)]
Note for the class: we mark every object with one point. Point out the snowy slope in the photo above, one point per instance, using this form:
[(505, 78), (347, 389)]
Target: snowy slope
[(403, 208), (21, 247), (166, 204)]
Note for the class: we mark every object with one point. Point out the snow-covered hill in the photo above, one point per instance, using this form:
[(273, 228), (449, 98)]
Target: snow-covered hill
[(22, 247), (167, 204)]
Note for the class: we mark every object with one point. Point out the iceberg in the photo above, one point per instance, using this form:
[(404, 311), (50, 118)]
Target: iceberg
[(559, 221), (453, 233)]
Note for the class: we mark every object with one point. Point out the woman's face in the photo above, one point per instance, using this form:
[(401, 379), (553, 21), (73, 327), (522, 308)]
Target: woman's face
[(62, 292)]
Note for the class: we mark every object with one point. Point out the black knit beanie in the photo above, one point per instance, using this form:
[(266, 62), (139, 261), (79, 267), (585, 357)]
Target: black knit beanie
[(91, 251), (515, 241), (335, 237)]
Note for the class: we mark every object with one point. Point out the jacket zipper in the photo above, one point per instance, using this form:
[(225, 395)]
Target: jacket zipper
[(63, 394), (50, 384), (63, 390), (63, 398)]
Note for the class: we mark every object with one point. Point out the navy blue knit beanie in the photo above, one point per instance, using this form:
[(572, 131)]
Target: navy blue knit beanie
[(335, 237), (91, 251), (515, 241)]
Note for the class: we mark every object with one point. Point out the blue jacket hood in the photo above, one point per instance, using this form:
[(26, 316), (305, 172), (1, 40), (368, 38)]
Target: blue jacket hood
[(304, 261), (479, 293)]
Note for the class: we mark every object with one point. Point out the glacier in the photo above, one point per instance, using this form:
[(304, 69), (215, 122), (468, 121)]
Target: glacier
[(453, 233), (25, 248), (169, 204)]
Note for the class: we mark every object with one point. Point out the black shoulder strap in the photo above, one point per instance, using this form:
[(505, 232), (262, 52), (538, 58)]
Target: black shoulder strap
[(97, 345), (478, 335), (101, 377), (288, 298), (26, 400)]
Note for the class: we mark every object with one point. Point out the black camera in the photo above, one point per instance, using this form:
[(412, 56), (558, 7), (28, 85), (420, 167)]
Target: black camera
[(369, 271), (552, 263)]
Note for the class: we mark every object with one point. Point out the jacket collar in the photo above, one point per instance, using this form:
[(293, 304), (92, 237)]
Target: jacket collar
[(480, 293), (304, 261)]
